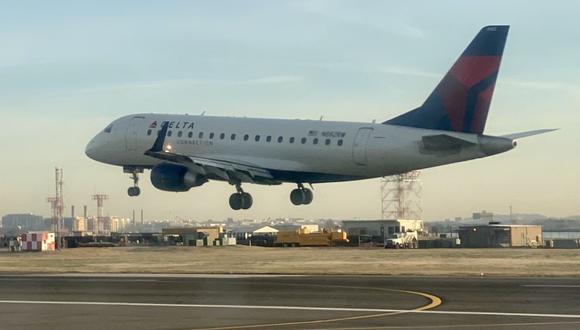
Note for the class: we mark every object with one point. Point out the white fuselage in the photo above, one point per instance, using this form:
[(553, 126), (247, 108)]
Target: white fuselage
[(294, 150)]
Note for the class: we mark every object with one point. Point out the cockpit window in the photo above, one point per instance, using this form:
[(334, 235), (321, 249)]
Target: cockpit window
[(108, 129)]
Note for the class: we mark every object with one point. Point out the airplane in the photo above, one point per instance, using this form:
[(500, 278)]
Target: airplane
[(186, 151)]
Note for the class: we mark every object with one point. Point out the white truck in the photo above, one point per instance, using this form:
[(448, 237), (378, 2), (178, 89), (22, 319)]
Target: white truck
[(406, 240)]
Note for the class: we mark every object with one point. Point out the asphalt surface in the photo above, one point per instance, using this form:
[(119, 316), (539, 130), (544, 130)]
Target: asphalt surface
[(286, 302)]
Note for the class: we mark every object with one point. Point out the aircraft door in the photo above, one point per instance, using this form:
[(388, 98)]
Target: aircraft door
[(359, 147), (131, 136)]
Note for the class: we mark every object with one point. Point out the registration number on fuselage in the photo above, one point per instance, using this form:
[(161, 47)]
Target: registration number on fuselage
[(328, 134)]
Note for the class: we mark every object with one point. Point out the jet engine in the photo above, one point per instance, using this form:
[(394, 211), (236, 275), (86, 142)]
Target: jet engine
[(171, 177)]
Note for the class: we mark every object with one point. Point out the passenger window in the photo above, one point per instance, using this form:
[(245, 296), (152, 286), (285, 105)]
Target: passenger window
[(303, 140), (246, 137), (149, 132), (169, 133), (200, 135), (268, 138), (222, 136), (339, 142), (280, 139), (327, 142), (315, 141), (211, 135), (179, 134), (232, 137), (190, 135), (257, 138), (292, 140)]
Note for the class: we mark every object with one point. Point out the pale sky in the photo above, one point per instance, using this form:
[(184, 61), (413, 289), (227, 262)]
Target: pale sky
[(68, 68)]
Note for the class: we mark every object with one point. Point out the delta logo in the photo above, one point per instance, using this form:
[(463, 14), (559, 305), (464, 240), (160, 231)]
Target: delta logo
[(175, 124)]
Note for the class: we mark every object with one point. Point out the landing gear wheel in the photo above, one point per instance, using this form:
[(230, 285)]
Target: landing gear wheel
[(301, 195), (308, 196), (236, 201), (240, 200), (133, 191), (297, 196), (247, 200)]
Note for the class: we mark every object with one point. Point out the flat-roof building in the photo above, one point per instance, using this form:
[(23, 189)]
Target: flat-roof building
[(378, 227), (497, 235)]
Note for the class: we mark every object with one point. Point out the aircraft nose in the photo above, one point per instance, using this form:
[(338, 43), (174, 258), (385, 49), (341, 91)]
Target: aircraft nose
[(91, 150)]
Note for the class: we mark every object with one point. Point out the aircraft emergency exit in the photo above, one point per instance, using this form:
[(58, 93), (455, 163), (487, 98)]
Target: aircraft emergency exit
[(184, 151)]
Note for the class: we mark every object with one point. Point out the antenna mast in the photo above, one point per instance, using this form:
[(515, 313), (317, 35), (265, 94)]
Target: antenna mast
[(57, 204), (401, 196)]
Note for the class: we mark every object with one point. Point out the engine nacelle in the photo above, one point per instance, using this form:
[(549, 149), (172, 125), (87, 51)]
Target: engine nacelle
[(171, 177)]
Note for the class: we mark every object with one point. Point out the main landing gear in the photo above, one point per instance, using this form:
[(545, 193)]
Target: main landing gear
[(241, 200), (301, 195), (134, 171)]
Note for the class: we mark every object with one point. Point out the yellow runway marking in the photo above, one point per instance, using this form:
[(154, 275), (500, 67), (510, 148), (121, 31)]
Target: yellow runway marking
[(434, 302)]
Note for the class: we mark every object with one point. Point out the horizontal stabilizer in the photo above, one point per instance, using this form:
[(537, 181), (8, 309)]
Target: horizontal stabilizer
[(444, 142), (515, 136)]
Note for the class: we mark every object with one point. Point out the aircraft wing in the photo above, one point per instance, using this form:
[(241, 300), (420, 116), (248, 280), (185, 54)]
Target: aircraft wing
[(212, 168)]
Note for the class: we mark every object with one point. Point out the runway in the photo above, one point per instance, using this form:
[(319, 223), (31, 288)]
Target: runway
[(286, 302)]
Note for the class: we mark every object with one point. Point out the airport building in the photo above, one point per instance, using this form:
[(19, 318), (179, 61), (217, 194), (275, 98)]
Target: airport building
[(198, 236), (497, 235), (378, 231), (380, 227)]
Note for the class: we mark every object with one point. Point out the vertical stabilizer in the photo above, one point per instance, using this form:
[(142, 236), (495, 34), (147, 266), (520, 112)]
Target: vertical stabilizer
[(461, 101)]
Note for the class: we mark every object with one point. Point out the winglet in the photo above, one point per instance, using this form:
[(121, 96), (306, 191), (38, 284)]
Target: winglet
[(515, 136), (160, 141)]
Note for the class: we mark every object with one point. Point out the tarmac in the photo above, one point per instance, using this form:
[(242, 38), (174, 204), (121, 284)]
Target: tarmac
[(130, 301)]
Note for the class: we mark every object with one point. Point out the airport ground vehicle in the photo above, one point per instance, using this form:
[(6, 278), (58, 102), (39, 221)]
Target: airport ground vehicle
[(406, 240), (301, 238)]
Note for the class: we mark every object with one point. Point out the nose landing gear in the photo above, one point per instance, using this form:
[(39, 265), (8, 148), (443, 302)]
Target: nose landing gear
[(134, 171), (134, 191), (301, 195), (241, 200)]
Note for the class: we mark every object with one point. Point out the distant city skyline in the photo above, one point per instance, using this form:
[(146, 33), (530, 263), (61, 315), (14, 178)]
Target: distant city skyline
[(501, 216), (69, 69)]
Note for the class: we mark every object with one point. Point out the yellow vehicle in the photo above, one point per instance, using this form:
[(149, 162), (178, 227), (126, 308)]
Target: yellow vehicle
[(303, 238)]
